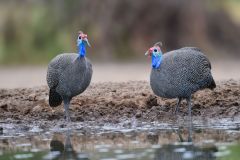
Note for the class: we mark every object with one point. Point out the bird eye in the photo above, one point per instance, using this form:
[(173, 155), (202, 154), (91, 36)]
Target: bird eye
[(79, 37), (155, 50)]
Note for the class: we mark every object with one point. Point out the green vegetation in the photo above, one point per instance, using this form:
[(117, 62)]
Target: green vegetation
[(32, 36), (35, 31), (233, 7)]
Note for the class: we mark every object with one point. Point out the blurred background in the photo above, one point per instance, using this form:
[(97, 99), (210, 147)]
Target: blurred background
[(32, 32)]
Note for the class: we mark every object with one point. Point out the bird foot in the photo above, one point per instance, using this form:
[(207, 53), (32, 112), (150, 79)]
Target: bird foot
[(68, 119), (174, 113), (66, 123)]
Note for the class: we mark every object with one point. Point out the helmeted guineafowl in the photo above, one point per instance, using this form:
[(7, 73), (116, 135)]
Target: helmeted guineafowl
[(179, 73), (68, 75)]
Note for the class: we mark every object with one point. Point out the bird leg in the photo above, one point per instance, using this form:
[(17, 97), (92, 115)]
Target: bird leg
[(180, 135), (189, 119), (178, 103), (66, 109)]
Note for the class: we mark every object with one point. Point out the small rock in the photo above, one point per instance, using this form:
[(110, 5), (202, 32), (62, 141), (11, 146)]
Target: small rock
[(235, 104), (4, 106), (41, 98), (232, 111), (37, 108), (25, 128), (18, 122), (1, 130), (197, 106), (235, 93), (62, 125), (32, 97), (138, 114), (126, 96), (26, 111), (151, 101), (80, 119)]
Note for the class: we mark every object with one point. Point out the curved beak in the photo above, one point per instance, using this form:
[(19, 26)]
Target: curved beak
[(86, 40), (149, 52)]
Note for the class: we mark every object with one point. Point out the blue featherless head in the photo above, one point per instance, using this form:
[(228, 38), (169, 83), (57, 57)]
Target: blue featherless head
[(156, 54), (82, 40)]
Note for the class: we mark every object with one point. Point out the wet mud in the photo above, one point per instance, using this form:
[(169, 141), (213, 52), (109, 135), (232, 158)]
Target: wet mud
[(115, 102)]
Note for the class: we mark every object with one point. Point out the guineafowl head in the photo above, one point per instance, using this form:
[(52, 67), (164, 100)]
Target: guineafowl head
[(156, 54), (82, 41)]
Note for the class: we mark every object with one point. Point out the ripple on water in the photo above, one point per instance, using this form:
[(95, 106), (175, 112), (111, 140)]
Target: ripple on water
[(23, 156), (111, 142), (118, 151), (156, 146), (35, 150), (102, 146), (83, 156), (52, 155), (126, 156), (180, 150), (208, 141), (188, 155), (150, 150), (35, 129), (103, 150), (221, 153), (24, 145), (135, 142)]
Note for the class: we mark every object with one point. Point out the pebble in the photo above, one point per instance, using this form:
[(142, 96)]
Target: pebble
[(138, 114), (37, 108), (1, 130)]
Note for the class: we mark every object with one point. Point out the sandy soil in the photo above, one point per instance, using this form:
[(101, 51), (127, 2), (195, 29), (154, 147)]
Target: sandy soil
[(114, 102)]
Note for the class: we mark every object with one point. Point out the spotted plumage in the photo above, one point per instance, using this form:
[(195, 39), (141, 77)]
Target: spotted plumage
[(179, 73), (68, 75), (182, 72)]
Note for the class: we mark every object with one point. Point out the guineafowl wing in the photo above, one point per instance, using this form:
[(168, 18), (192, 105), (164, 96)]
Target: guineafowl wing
[(57, 66), (191, 48), (198, 51), (199, 69), (55, 99)]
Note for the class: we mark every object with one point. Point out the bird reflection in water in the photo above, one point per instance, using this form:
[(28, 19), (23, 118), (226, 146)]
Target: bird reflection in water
[(66, 150), (185, 149)]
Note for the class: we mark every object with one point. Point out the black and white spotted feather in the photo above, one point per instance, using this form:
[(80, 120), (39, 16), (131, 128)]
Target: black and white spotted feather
[(68, 75), (182, 72)]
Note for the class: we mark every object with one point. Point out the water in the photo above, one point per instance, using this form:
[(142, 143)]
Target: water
[(148, 141)]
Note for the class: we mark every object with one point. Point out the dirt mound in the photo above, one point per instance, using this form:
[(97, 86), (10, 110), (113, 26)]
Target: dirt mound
[(112, 102)]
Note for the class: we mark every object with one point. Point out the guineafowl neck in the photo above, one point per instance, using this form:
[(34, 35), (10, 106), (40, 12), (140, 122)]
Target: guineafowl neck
[(81, 50), (156, 61)]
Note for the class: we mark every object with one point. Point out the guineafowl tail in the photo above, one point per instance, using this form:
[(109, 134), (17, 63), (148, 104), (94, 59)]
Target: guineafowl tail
[(54, 98), (212, 85)]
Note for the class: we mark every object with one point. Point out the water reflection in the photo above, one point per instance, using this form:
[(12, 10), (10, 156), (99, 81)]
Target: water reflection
[(185, 149), (179, 132), (114, 145), (181, 152), (65, 150)]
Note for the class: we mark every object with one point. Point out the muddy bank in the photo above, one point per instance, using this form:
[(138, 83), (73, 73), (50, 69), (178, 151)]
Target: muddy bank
[(114, 102)]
